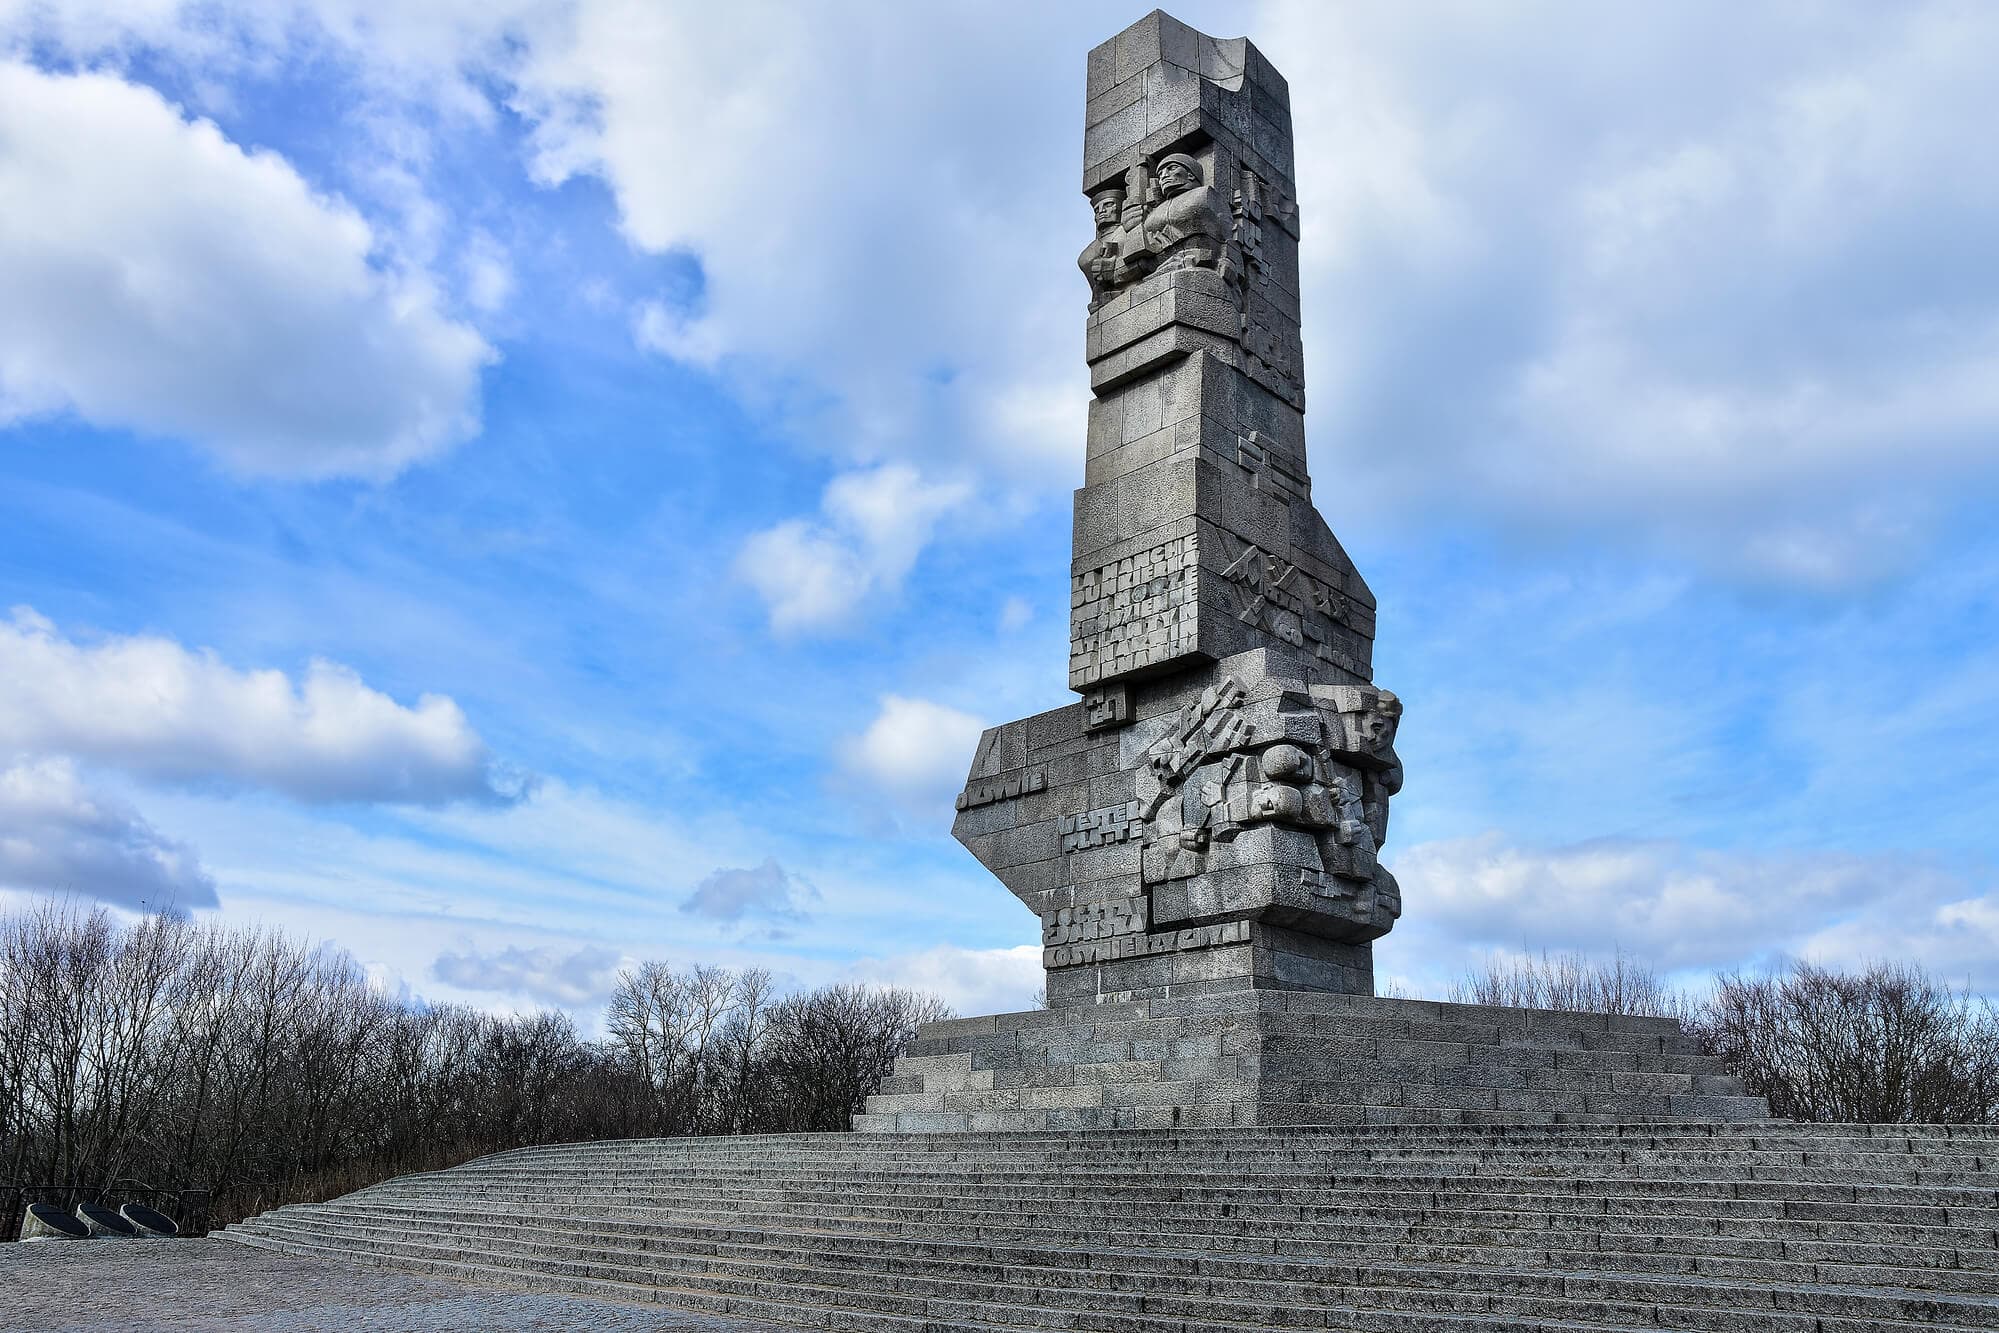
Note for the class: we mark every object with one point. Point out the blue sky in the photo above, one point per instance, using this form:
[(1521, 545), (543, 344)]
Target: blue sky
[(512, 489)]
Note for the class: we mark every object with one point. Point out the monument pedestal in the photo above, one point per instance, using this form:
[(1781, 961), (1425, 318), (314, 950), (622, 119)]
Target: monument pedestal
[(1282, 1057)]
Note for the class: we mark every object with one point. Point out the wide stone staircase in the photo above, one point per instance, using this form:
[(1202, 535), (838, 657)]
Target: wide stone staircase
[(1729, 1227)]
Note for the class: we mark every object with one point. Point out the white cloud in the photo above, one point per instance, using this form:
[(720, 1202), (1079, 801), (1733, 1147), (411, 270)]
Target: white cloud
[(166, 281), (880, 230), (489, 273), (152, 707), (915, 749), (439, 52), (872, 524), (1014, 614), (971, 981), (885, 222), (579, 978), (1739, 315), (57, 836), (765, 890), (1743, 314), (1683, 908)]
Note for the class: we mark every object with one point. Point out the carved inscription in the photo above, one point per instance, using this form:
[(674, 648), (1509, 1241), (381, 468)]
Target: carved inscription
[(1255, 200), (1247, 206), (1267, 469), (1276, 359), (1133, 612), (1138, 946), (1008, 788), (1282, 599), (1107, 706), (1095, 921), (1097, 828)]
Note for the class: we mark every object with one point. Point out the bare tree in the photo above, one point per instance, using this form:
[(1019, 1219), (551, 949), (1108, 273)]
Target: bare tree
[(832, 1048), (1890, 1044), (1570, 981), (262, 1070)]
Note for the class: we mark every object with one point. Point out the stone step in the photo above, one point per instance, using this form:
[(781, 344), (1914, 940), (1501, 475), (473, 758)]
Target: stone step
[(1482, 1176), (703, 1300), (1336, 1138), (1591, 1191), (1386, 1222), (1135, 1269), (1229, 1015), (1283, 1142), (1577, 1300), (1162, 1111), (1961, 1188), (1728, 1228), (1478, 1089), (1170, 1202), (1775, 1260), (1750, 1156), (1015, 1148), (1582, 1190), (1640, 1173)]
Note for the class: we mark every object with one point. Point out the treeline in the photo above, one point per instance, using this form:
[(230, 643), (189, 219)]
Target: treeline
[(169, 1055), (180, 1056), (1889, 1044)]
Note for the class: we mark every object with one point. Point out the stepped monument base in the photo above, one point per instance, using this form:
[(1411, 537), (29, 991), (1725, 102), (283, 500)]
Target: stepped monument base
[(1271, 1057)]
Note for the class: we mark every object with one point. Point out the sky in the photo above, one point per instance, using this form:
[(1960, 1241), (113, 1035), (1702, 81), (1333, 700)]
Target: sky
[(514, 488)]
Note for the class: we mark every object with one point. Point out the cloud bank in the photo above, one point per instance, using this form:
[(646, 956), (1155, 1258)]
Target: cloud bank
[(914, 749), (581, 977), (1739, 317), (166, 281), (1554, 284), (1695, 909), (58, 836), (971, 981), (765, 891), (153, 708)]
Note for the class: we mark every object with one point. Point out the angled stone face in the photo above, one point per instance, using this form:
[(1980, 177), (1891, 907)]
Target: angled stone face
[(1209, 816)]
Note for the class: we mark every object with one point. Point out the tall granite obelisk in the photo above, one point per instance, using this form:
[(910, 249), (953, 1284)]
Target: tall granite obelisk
[(1198, 832), (1207, 817)]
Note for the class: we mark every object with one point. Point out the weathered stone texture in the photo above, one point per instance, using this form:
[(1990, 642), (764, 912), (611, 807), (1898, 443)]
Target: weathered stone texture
[(1451, 1227), (1207, 819), (1277, 1055)]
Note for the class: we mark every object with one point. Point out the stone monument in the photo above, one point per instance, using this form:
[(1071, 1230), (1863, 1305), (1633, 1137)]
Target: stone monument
[(1207, 817), (1199, 833)]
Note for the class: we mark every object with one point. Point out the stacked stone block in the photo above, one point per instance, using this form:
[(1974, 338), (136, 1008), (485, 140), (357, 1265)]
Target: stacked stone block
[(1206, 591), (1287, 1057)]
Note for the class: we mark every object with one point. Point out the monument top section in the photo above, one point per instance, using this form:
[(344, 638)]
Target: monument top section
[(1188, 165), (1160, 81)]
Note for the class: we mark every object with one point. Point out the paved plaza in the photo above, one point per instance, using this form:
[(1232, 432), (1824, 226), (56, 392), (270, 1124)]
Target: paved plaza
[(209, 1286)]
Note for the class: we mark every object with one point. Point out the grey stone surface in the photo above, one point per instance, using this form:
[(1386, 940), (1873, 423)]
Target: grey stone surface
[(1276, 1055), (209, 1286), (1212, 610), (1440, 1228)]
